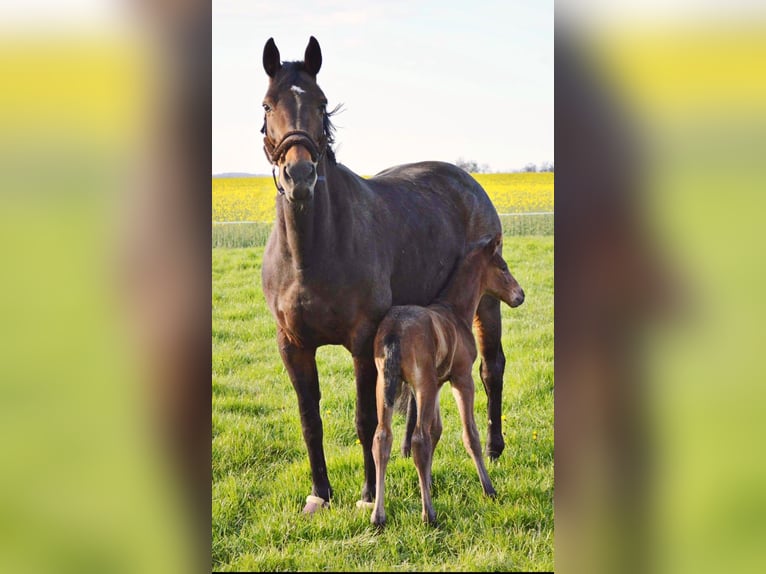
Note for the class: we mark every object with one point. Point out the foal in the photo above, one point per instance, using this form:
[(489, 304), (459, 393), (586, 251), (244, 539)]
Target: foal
[(425, 346)]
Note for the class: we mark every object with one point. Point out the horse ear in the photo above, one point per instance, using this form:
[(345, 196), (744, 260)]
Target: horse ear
[(312, 59), (271, 61)]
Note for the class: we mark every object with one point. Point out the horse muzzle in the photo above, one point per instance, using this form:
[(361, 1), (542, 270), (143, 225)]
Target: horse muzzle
[(298, 180)]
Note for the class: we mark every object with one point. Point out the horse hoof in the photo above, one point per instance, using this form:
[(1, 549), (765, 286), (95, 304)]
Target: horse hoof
[(314, 503), (495, 448)]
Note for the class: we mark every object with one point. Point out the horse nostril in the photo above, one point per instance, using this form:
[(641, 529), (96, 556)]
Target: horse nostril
[(301, 172)]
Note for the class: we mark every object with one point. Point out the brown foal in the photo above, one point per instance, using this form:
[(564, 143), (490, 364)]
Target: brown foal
[(426, 346)]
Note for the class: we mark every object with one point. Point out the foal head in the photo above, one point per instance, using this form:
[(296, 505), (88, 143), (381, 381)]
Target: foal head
[(296, 125), (495, 275)]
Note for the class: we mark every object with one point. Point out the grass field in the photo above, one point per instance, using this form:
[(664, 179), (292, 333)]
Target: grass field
[(261, 474)]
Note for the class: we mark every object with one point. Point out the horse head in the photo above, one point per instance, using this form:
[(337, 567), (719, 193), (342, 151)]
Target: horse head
[(296, 127)]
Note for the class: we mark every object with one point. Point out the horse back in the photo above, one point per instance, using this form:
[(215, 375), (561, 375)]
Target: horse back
[(429, 212)]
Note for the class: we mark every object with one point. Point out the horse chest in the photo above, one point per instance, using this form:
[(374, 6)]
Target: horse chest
[(310, 315)]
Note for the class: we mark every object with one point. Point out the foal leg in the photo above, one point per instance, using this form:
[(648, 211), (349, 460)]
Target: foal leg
[(436, 427), (436, 432), (463, 390), (381, 451), (422, 448), (302, 370), (488, 328), (412, 417)]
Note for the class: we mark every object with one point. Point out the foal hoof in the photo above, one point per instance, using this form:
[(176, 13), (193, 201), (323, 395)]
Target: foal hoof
[(314, 503)]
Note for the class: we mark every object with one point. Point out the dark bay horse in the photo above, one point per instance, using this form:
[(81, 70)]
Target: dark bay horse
[(426, 346), (344, 249)]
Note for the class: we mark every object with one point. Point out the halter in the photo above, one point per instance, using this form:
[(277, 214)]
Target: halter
[(275, 153)]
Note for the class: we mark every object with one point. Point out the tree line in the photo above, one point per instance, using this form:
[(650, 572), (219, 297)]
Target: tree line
[(472, 166)]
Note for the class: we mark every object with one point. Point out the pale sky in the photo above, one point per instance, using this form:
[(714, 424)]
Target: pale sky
[(421, 80)]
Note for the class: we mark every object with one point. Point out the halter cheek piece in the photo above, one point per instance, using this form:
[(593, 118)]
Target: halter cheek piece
[(275, 153)]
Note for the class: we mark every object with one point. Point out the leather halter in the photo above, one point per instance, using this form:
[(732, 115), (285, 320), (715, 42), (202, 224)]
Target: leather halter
[(275, 153)]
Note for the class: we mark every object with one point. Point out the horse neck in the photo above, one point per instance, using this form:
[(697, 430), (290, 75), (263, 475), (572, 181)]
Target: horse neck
[(305, 228), (463, 291)]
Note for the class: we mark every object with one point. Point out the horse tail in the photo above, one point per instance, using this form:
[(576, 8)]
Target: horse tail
[(392, 368)]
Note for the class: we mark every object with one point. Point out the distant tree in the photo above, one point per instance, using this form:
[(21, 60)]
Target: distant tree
[(530, 167), (468, 165), (547, 166), (472, 166)]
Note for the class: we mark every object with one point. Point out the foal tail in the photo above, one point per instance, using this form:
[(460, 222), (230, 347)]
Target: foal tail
[(392, 368)]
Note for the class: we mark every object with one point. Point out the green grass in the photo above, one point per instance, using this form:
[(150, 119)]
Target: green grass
[(261, 473), (255, 233), (241, 234)]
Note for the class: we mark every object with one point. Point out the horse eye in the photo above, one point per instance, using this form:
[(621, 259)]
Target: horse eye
[(266, 107)]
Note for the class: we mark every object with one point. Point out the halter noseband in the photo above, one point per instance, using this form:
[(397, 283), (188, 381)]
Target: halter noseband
[(275, 153)]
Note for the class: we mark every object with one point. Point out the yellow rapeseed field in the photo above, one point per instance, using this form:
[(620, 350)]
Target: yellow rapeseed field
[(252, 198), (244, 198), (518, 192)]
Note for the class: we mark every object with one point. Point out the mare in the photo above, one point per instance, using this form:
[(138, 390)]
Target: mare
[(344, 249), (426, 346)]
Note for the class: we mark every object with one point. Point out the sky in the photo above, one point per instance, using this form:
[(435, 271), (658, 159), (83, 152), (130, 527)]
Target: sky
[(426, 80)]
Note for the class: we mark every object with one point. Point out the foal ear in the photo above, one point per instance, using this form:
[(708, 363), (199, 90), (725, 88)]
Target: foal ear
[(497, 240), (312, 59), (491, 243), (271, 61)]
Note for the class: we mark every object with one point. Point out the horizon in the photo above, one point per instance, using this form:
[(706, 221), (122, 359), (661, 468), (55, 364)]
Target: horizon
[(268, 174)]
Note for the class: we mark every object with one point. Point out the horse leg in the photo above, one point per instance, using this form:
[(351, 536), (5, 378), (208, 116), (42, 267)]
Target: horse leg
[(302, 370), (463, 390), (422, 448), (488, 333), (366, 418), (381, 451)]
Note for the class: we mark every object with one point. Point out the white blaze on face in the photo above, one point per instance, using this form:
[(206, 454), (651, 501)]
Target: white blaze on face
[(297, 90)]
